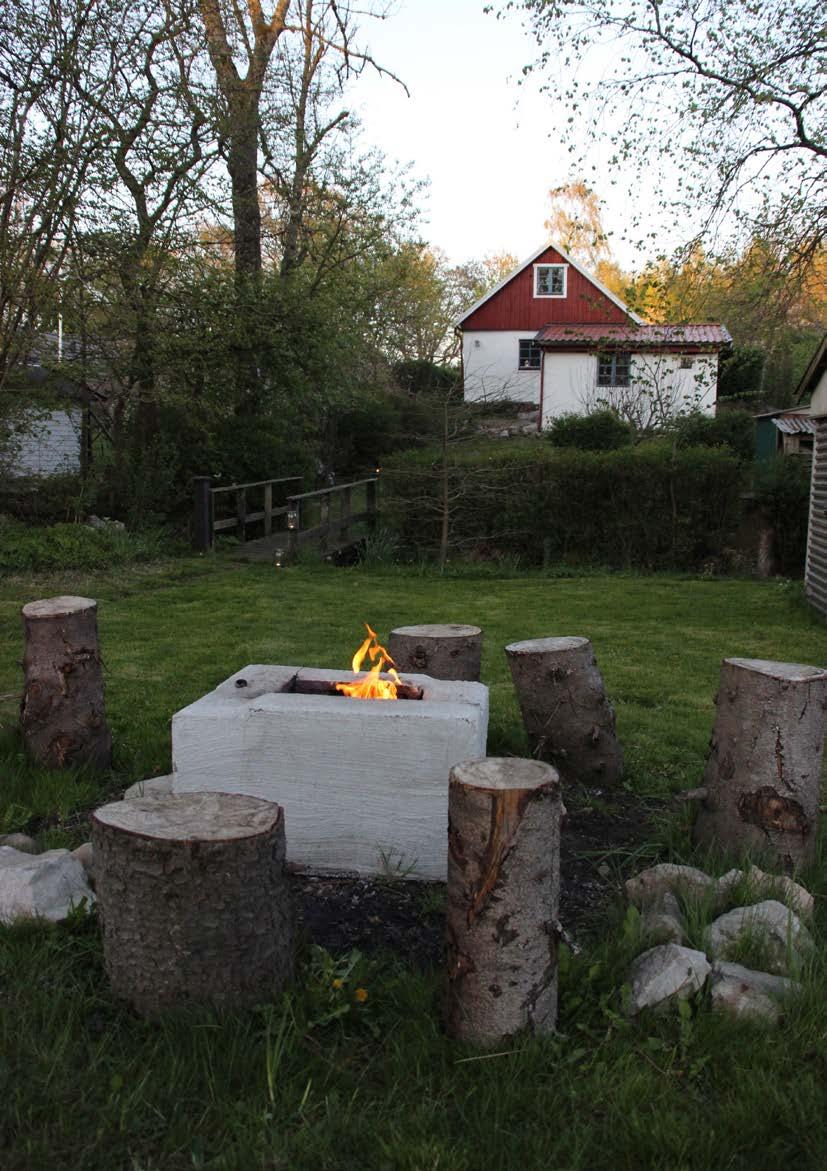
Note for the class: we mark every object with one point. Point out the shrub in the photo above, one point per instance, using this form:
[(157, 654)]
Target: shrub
[(419, 376), (46, 499), (26, 549), (734, 429), (645, 507), (599, 431)]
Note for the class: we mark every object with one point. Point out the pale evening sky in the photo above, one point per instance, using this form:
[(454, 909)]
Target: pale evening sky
[(489, 146)]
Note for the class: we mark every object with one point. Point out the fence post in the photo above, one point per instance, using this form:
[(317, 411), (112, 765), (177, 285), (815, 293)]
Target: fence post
[(202, 522), (370, 493)]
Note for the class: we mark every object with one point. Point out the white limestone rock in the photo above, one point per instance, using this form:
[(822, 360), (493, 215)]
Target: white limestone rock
[(20, 842), (662, 921), (85, 856), (775, 925), (767, 886), (151, 787), (665, 974), (742, 992), (40, 886), (650, 885)]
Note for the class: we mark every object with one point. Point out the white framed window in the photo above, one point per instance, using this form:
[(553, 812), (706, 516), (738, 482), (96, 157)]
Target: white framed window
[(550, 280), (614, 369), (528, 357)]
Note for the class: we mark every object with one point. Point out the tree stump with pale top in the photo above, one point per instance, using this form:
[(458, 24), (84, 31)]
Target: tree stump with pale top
[(503, 896), (763, 772), (567, 717), (62, 714), (448, 651), (193, 900)]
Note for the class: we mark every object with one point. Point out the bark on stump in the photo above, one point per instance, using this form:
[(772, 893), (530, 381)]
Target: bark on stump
[(62, 714), (763, 770), (443, 652), (503, 896), (193, 899), (567, 717)]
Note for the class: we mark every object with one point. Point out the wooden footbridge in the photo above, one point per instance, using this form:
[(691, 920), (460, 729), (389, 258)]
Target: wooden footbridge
[(272, 521)]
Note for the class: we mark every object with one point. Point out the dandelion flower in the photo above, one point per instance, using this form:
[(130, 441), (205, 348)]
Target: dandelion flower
[(361, 995), (337, 984)]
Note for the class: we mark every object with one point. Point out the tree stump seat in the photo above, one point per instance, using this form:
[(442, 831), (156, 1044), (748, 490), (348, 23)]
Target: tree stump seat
[(502, 899), (567, 717), (193, 899), (762, 780), (449, 651), (62, 715)]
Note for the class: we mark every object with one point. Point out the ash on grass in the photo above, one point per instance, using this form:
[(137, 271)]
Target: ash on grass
[(601, 832)]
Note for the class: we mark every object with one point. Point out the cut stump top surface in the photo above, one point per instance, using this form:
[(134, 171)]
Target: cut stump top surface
[(505, 773), (191, 817), (435, 630), (787, 672), (538, 646), (57, 607)]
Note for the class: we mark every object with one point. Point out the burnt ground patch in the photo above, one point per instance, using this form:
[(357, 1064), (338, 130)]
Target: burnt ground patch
[(603, 834)]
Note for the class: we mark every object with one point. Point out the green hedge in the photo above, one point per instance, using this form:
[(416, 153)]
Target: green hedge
[(646, 507)]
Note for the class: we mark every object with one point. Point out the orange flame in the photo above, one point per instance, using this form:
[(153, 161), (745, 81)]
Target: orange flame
[(371, 686)]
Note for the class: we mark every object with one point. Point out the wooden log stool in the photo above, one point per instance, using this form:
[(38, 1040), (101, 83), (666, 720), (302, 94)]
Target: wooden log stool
[(762, 779), (503, 895), (193, 900), (62, 715), (441, 651), (567, 717)]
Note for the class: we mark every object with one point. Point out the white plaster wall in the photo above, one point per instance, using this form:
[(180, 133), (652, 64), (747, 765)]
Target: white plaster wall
[(570, 384), (363, 783), (52, 444), (489, 362)]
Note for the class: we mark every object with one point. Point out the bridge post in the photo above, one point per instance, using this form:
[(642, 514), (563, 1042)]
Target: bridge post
[(370, 493)]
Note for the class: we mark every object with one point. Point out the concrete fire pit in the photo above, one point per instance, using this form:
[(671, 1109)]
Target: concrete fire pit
[(363, 783)]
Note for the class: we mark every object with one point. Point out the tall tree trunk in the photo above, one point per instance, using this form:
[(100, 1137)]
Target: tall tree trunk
[(242, 163)]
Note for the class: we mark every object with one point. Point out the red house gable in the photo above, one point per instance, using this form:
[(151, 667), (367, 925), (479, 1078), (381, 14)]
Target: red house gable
[(514, 305)]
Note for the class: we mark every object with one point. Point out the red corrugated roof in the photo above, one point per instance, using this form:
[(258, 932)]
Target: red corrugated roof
[(706, 334)]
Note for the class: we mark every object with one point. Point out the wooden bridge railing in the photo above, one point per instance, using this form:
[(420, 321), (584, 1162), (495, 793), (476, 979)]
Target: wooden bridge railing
[(331, 532), (324, 529), (205, 525)]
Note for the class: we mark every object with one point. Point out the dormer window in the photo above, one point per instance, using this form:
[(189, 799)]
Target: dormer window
[(550, 280)]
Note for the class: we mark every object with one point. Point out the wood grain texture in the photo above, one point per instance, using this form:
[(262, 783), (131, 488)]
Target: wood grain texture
[(567, 717), (193, 900), (62, 713), (503, 896), (763, 769), (448, 651)]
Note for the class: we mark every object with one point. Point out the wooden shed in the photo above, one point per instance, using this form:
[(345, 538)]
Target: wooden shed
[(814, 383)]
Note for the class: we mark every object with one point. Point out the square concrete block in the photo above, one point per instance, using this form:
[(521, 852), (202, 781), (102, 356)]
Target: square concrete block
[(363, 783)]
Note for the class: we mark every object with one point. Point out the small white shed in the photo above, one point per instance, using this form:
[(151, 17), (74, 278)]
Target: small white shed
[(49, 444)]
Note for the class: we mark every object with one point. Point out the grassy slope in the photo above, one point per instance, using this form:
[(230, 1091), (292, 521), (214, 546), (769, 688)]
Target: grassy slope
[(85, 1085)]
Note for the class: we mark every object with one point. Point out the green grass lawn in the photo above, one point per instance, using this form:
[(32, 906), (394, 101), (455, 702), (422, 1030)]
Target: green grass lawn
[(86, 1085)]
